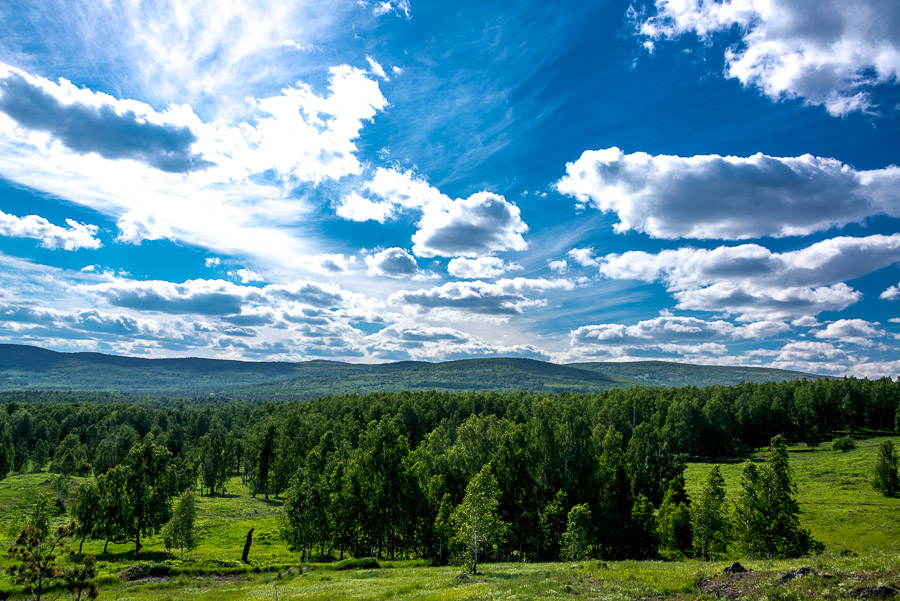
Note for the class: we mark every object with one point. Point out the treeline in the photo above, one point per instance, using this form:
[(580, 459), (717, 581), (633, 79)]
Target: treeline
[(383, 474)]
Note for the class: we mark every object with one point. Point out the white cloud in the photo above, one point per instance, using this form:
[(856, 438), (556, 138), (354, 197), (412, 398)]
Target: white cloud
[(482, 267), (77, 235), (475, 226), (212, 262), (892, 293), (503, 298), (246, 276), (829, 53), (669, 328), (805, 352), (438, 343), (298, 136), (376, 68), (584, 257), (560, 266), (856, 331), (756, 283), (393, 263), (384, 7), (731, 198)]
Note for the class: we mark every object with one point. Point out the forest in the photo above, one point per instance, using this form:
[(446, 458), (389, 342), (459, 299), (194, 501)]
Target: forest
[(404, 475)]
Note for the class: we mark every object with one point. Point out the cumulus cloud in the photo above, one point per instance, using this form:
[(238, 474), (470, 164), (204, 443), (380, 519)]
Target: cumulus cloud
[(669, 328), (77, 235), (212, 297), (475, 226), (102, 129), (857, 331), (730, 198), (246, 276), (584, 257), (434, 343), (480, 224), (756, 283), (892, 293), (504, 297), (560, 266), (392, 262), (828, 53), (482, 267)]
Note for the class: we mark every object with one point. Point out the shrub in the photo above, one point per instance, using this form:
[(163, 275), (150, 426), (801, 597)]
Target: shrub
[(144, 570), (362, 563), (843, 444)]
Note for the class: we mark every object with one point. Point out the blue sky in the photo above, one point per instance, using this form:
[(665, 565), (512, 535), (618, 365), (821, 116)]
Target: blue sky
[(700, 181)]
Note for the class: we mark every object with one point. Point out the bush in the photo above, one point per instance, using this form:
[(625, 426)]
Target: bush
[(843, 444), (144, 570), (362, 563)]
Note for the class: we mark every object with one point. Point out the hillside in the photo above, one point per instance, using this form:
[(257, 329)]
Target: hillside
[(33, 368), (668, 373)]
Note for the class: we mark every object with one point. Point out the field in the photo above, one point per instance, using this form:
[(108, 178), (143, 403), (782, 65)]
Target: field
[(861, 531)]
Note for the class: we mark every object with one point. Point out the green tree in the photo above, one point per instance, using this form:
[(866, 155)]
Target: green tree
[(887, 478), (179, 532), (643, 541), (579, 532), (86, 510), (674, 520), (296, 520), (767, 514), (475, 520), (843, 444), (146, 505), (7, 451), (709, 519), (35, 553)]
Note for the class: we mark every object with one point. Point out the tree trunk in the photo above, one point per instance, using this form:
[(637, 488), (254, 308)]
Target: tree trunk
[(246, 553)]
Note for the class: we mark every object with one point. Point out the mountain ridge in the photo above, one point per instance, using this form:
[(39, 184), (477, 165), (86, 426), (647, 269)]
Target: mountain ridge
[(24, 367)]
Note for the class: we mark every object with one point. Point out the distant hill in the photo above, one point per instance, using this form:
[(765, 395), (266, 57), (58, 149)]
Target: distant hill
[(668, 373), (33, 368)]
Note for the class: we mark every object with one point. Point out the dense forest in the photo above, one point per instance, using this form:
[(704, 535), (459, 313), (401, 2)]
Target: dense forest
[(393, 474)]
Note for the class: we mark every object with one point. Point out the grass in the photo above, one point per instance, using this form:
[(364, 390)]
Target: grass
[(836, 499)]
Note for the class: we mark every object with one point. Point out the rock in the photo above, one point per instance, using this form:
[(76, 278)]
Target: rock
[(736, 568), (462, 577), (577, 566), (873, 592)]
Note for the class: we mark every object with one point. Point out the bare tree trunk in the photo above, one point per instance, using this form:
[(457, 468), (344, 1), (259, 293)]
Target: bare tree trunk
[(246, 553)]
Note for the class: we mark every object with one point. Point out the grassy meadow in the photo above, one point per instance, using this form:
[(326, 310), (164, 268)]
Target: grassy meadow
[(860, 530)]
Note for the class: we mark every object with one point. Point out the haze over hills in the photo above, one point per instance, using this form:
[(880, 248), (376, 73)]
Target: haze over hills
[(33, 368)]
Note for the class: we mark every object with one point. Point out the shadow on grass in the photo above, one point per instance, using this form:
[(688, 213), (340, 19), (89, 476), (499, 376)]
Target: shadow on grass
[(132, 557)]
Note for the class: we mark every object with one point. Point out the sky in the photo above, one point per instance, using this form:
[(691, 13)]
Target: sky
[(712, 182)]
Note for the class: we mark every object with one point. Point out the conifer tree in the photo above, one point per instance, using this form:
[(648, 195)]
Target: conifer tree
[(767, 514), (709, 519), (674, 519), (887, 478)]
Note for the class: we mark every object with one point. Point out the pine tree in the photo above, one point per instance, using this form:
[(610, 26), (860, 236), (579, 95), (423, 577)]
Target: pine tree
[(709, 519), (674, 519), (887, 478), (767, 514)]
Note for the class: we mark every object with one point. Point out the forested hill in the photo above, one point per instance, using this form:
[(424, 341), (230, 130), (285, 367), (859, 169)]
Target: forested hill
[(33, 368), (666, 373)]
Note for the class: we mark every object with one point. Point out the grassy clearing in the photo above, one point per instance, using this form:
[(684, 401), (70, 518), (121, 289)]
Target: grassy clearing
[(837, 501)]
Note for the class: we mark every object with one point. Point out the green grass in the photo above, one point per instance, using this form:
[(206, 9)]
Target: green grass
[(837, 501)]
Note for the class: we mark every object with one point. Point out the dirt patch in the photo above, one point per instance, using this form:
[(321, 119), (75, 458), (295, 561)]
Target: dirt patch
[(874, 592), (148, 580), (732, 586)]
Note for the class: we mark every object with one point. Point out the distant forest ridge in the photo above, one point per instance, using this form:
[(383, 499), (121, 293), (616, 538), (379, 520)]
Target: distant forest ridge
[(32, 368)]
